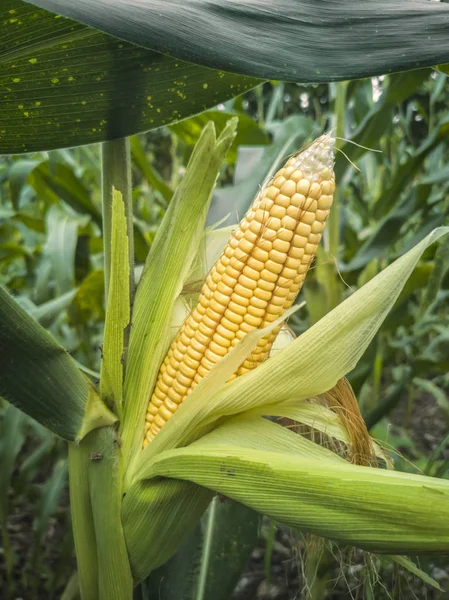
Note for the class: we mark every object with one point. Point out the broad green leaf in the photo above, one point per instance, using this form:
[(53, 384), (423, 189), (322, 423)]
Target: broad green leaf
[(361, 506), (177, 578), (230, 532), (64, 84), (339, 41), (165, 272), (310, 365), (38, 376), (117, 311)]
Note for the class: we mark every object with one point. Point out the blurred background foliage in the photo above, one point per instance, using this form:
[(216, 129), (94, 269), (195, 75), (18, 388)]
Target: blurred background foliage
[(393, 183)]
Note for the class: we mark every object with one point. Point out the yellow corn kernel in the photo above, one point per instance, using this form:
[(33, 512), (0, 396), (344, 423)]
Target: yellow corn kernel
[(256, 279)]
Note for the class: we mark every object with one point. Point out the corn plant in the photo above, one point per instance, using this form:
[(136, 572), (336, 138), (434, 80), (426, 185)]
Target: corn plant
[(133, 506), (173, 421)]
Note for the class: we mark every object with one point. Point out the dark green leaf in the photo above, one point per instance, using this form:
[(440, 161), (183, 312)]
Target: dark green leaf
[(211, 561), (153, 178), (37, 375), (65, 84), (58, 181), (294, 40)]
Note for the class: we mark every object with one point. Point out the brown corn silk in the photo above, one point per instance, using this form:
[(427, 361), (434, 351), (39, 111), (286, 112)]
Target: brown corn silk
[(254, 281)]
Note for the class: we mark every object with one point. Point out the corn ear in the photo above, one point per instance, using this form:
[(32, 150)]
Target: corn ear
[(255, 280)]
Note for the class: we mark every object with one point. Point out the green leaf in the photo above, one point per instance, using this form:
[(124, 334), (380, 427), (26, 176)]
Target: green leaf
[(60, 248), (406, 563), (361, 506), (249, 431), (118, 310), (336, 41), (58, 182), (65, 84), (165, 271), (210, 562), (152, 177), (230, 532), (38, 376)]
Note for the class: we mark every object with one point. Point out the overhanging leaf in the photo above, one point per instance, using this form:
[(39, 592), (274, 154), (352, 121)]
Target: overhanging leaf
[(295, 40), (64, 84)]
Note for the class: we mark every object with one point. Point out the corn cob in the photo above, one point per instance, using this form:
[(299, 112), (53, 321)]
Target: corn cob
[(255, 280)]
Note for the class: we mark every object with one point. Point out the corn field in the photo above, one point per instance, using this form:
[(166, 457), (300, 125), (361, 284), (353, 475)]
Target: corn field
[(224, 300)]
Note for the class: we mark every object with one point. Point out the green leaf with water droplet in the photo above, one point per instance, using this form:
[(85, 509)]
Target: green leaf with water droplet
[(65, 84)]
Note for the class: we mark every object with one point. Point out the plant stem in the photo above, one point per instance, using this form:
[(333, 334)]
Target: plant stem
[(272, 528), (82, 522), (116, 173), (7, 554), (334, 217), (334, 289), (260, 106), (105, 482)]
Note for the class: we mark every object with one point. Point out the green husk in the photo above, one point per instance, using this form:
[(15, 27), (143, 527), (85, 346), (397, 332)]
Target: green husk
[(361, 506), (118, 310), (165, 271), (312, 364), (158, 516)]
